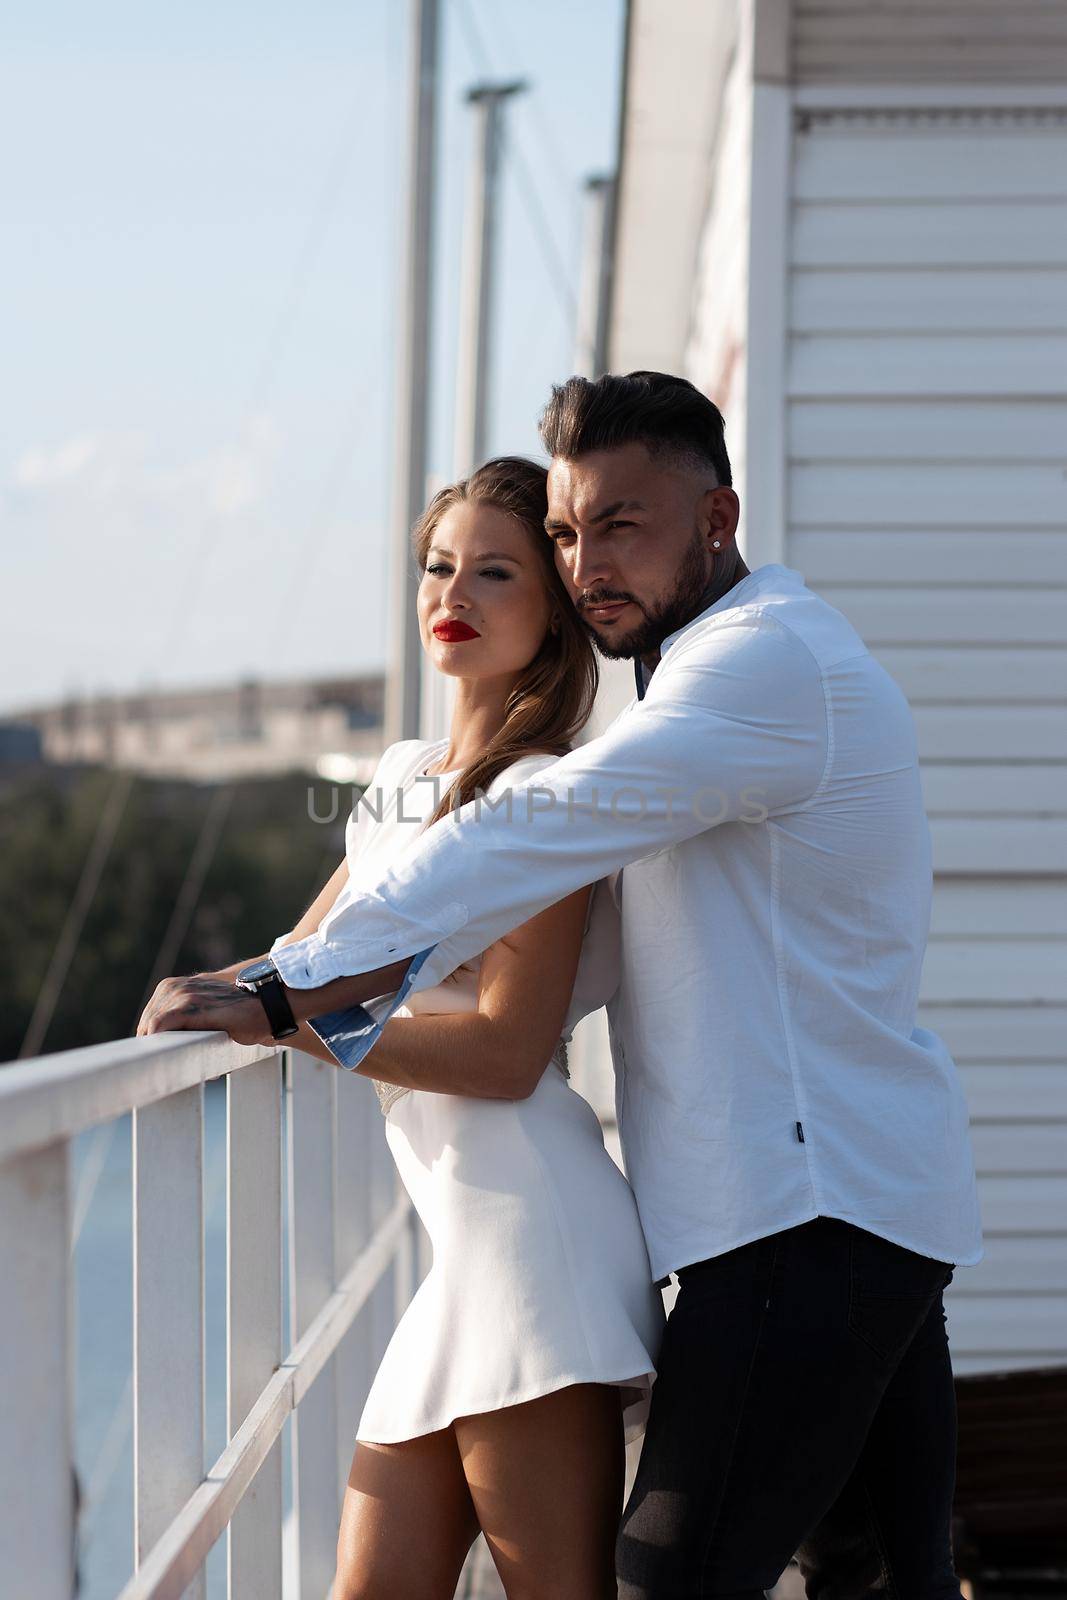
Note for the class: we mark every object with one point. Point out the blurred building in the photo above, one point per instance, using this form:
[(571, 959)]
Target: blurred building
[(330, 726), (847, 224), (20, 744)]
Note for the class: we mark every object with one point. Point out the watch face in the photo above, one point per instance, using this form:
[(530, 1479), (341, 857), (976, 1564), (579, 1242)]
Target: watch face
[(257, 971)]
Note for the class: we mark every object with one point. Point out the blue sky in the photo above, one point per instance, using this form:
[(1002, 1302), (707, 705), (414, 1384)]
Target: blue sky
[(199, 233)]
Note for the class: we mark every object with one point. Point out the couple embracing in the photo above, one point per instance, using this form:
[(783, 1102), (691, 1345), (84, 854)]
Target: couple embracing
[(738, 868)]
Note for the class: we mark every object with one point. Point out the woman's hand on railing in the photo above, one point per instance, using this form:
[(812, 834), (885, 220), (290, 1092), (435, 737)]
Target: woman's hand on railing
[(208, 1001)]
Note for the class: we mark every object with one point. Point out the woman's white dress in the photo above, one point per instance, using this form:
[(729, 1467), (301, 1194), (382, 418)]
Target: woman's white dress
[(540, 1274)]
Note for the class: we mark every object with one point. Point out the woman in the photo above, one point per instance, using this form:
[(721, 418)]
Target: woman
[(525, 1359)]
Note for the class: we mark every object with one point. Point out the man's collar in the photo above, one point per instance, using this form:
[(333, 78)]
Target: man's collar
[(735, 596), (639, 677)]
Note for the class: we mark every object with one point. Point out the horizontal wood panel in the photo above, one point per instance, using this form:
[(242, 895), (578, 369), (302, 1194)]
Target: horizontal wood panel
[(1004, 1090), (827, 13), (843, 162), (1016, 789), (961, 429), (963, 971), (1014, 1266), (903, 615), (1010, 299), (903, 64), (1027, 234), (892, 25), (929, 494), (1019, 1323), (927, 364), (927, 673), (1000, 845), (899, 615), (1030, 1205), (1004, 909), (991, 734), (822, 14), (938, 557), (1020, 1147), (990, 1033)]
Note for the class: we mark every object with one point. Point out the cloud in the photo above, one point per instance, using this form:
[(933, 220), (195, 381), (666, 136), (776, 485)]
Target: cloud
[(124, 472), (43, 468), (236, 480)]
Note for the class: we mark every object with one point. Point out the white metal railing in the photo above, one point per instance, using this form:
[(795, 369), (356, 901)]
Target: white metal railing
[(350, 1229)]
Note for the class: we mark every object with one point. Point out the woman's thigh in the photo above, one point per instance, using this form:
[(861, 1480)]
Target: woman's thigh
[(546, 1479), (407, 1522)]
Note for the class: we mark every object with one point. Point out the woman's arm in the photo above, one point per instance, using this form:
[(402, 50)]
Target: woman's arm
[(499, 1051)]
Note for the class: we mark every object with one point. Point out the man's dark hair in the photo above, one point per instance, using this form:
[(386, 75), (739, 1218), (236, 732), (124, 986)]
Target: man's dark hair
[(668, 415)]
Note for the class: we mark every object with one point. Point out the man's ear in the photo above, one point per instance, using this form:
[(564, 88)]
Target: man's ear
[(718, 513)]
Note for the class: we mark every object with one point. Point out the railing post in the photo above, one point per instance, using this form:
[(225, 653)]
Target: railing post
[(358, 1122), (254, 1306), (168, 1314), (311, 1089), (37, 1518)]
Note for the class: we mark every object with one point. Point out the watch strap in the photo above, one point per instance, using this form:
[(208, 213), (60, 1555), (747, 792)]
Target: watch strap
[(275, 1003)]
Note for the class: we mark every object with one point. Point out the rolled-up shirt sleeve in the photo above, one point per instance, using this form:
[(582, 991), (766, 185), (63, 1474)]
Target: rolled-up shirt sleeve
[(733, 728), (351, 1033)]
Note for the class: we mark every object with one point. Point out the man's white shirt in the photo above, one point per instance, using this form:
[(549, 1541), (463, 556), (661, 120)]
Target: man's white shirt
[(758, 814)]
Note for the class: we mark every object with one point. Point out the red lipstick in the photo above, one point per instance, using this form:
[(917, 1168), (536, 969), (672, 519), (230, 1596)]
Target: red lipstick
[(454, 632)]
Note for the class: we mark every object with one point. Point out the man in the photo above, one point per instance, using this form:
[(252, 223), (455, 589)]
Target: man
[(797, 1145)]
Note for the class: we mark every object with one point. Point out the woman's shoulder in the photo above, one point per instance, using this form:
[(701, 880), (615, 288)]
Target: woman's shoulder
[(397, 764), (405, 756), (525, 767), (399, 761)]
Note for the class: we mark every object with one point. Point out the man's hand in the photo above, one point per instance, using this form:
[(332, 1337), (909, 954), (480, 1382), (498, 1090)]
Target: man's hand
[(210, 1001)]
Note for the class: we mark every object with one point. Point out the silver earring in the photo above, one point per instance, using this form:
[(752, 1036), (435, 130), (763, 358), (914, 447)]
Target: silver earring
[(715, 544)]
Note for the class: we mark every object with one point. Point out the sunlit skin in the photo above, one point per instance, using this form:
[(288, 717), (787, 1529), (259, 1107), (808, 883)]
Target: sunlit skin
[(481, 569), (626, 526)]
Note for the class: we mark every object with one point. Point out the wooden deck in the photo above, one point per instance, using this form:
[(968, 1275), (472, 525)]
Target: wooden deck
[(1011, 1485)]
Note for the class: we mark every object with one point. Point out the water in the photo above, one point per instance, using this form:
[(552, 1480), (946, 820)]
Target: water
[(103, 1278)]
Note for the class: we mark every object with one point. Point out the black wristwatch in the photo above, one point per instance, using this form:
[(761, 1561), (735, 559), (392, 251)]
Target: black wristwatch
[(264, 979)]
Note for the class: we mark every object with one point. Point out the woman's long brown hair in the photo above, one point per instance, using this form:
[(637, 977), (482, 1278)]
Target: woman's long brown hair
[(553, 697)]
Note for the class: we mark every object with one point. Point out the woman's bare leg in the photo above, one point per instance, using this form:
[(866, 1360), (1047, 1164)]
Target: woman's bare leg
[(546, 1478), (407, 1522)]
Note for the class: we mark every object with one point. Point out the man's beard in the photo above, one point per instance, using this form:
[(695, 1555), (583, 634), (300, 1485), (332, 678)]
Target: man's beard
[(691, 584)]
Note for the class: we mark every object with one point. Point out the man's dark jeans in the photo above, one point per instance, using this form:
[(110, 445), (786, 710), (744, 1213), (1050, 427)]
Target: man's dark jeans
[(803, 1402)]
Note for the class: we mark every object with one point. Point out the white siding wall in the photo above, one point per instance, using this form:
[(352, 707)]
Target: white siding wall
[(913, 41), (927, 498)]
